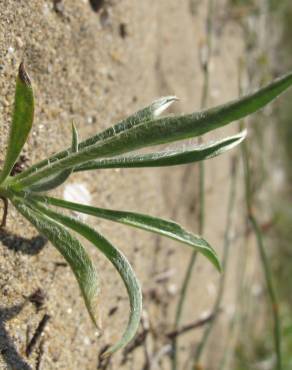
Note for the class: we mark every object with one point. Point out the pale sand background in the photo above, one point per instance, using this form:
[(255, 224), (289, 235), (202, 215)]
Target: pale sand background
[(83, 69)]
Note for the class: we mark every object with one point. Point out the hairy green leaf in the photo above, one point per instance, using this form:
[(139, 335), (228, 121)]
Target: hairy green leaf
[(156, 225), (61, 177), (21, 121), (73, 252), (150, 112), (166, 129), (146, 114), (193, 153), (120, 263)]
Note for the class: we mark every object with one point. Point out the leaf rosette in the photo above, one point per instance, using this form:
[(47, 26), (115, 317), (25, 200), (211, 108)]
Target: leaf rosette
[(113, 148)]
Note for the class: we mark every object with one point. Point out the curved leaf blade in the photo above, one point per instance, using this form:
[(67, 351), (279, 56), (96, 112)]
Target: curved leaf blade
[(156, 225), (168, 129), (121, 264), (176, 157), (73, 252), (62, 176), (147, 113), (22, 120)]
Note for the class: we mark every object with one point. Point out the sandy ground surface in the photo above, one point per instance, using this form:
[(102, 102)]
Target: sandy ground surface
[(97, 68)]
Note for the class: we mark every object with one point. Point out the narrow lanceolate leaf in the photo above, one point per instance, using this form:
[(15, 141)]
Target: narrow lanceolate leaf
[(120, 263), (146, 114), (73, 252), (167, 129), (156, 225), (150, 112), (183, 155), (21, 120), (61, 177)]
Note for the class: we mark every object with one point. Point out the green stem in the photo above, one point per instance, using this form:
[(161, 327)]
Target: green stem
[(180, 305), (260, 245), (217, 303), (240, 301), (270, 288), (201, 216)]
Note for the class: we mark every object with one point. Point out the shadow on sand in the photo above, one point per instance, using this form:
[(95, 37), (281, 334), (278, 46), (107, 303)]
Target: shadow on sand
[(8, 350)]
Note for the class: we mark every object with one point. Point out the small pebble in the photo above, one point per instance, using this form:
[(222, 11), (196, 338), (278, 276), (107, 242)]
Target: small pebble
[(123, 31), (96, 5), (69, 311), (104, 18), (86, 341), (19, 42)]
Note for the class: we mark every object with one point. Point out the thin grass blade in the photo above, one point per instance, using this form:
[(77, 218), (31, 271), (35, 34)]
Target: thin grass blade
[(22, 120), (120, 263), (73, 252), (156, 225), (168, 129), (61, 177), (180, 156)]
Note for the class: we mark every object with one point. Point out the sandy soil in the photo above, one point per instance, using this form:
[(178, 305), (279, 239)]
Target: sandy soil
[(96, 68)]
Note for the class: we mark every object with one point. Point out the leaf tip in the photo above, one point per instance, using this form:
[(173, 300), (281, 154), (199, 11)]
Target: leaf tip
[(241, 136), (107, 353), (74, 138), (162, 104), (97, 322), (23, 75), (216, 263)]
